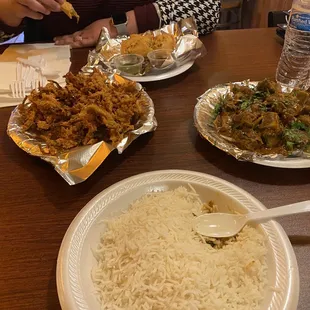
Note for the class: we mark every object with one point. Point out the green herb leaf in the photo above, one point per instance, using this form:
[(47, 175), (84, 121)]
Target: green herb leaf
[(299, 126), (217, 110), (218, 107), (259, 94), (292, 135), (245, 104), (264, 108), (290, 145)]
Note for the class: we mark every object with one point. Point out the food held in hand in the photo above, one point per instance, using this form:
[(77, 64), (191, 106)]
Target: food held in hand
[(87, 110), (264, 119), (143, 44), (69, 10)]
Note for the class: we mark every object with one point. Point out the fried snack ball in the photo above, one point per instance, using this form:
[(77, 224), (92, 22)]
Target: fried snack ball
[(143, 44), (137, 44), (164, 41)]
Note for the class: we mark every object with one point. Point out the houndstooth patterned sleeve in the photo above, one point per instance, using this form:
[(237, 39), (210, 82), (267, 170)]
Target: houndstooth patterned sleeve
[(206, 12)]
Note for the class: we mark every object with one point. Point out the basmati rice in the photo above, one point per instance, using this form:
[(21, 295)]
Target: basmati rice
[(150, 258)]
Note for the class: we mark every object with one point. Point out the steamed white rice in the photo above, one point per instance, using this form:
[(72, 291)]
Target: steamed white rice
[(150, 258)]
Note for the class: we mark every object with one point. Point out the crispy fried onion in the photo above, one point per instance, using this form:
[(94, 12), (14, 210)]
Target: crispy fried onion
[(87, 110)]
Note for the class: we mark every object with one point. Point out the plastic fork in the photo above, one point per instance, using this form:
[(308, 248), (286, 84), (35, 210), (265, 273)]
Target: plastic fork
[(18, 89), (27, 78), (19, 70), (43, 81), (37, 83)]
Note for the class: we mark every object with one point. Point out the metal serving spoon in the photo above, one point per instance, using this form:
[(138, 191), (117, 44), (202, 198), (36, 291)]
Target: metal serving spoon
[(223, 225)]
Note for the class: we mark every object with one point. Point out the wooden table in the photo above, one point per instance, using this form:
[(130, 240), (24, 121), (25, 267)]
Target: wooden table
[(37, 206), (255, 12)]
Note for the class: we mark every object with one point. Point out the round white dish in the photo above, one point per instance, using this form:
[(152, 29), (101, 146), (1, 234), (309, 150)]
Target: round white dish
[(75, 259), (288, 163), (202, 116), (157, 75)]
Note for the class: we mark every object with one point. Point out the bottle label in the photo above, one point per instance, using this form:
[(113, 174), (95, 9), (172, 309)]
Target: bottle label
[(300, 21)]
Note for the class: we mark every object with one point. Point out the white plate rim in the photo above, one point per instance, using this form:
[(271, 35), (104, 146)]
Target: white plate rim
[(74, 300), (162, 76), (287, 163)]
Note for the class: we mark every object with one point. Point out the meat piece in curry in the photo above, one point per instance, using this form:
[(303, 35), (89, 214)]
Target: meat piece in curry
[(264, 119)]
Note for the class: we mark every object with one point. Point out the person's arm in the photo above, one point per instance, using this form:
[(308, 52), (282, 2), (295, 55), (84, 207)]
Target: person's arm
[(163, 12), (206, 12), (89, 35), (149, 17)]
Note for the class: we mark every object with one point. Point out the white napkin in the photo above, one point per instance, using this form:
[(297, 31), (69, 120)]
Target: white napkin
[(57, 58)]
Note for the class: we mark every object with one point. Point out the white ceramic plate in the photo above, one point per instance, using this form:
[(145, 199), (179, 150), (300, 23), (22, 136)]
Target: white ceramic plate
[(75, 259), (161, 75)]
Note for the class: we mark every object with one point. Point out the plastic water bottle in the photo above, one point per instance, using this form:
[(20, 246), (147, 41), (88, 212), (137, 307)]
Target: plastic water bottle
[(294, 64)]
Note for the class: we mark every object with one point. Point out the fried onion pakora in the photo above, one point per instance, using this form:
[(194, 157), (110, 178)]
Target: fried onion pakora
[(87, 110), (69, 10), (264, 119)]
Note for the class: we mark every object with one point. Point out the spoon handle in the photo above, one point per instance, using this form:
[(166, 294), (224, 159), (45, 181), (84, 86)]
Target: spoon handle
[(299, 207)]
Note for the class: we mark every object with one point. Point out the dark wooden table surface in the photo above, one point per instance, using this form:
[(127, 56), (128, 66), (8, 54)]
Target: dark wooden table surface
[(37, 206)]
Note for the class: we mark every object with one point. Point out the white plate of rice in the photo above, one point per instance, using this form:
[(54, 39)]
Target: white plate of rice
[(133, 247)]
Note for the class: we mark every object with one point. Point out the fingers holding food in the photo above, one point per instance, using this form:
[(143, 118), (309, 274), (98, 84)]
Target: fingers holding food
[(42, 6), (34, 6), (25, 12), (52, 5)]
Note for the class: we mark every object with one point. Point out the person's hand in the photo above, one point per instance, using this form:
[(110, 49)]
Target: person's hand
[(12, 12), (88, 36)]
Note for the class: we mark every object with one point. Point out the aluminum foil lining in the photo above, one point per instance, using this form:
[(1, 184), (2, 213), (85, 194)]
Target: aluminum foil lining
[(77, 164), (203, 118), (188, 46)]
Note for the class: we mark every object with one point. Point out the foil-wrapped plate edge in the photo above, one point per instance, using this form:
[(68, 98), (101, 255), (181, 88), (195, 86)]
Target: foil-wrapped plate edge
[(76, 165), (203, 117)]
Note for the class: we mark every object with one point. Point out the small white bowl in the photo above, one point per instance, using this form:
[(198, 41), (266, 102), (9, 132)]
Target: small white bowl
[(75, 259)]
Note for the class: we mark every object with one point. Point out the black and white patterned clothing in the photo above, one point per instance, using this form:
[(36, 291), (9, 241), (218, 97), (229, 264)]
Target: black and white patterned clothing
[(206, 12)]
